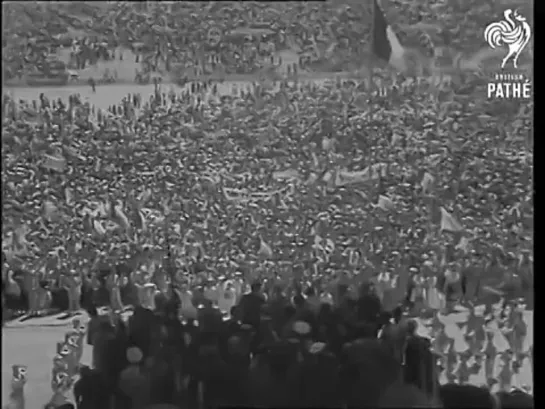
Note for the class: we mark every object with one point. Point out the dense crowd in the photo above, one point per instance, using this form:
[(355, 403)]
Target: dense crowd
[(331, 36), (286, 232), (307, 192), (330, 178)]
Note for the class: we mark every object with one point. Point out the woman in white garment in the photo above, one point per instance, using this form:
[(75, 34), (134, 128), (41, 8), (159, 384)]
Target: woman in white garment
[(228, 297), (435, 299)]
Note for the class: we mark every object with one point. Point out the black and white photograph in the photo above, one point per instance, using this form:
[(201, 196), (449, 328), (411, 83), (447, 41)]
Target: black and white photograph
[(267, 204)]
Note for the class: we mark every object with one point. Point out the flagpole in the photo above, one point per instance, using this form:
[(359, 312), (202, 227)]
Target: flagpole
[(372, 42)]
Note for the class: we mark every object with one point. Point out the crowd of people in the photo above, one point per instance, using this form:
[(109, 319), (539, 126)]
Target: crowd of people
[(283, 348), (320, 169), (173, 33), (285, 231), (239, 36), (315, 194)]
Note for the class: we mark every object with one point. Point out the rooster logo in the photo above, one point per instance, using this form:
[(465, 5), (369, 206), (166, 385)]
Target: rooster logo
[(513, 31)]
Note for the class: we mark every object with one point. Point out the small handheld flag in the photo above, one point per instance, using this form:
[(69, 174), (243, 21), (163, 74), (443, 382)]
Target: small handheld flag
[(449, 222)]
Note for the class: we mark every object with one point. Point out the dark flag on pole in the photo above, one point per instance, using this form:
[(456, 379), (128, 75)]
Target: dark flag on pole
[(385, 43)]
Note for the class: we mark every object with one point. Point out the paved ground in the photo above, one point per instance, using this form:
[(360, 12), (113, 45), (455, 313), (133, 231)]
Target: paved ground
[(32, 343), (125, 69), (106, 94), (34, 347)]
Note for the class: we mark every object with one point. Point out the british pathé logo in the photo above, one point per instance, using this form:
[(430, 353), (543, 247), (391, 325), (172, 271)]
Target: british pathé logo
[(514, 31)]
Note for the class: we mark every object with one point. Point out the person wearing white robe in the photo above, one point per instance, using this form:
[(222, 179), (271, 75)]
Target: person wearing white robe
[(227, 298), (435, 299)]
